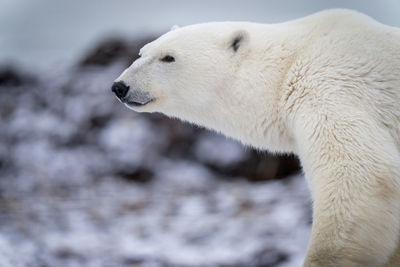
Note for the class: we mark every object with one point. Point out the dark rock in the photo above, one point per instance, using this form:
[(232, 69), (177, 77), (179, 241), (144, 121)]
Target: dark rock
[(145, 261), (288, 165), (68, 254), (9, 76), (269, 257), (99, 120), (105, 53), (112, 50), (181, 138), (139, 175), (260, 167), (133, 261), (231, 159)]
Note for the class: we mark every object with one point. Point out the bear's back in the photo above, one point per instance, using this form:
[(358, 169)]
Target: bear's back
[(360, 58)]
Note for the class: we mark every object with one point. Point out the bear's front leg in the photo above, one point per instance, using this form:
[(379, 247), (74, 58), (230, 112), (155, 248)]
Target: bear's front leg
[(352, 169)]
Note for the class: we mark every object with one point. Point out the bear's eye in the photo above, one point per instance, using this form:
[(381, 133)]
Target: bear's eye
[(168, 59)]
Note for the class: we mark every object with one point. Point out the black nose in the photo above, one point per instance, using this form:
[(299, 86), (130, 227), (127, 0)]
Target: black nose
[(120, 89)]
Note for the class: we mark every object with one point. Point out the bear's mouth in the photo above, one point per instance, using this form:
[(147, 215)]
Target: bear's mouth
[(137, 104), (137, 98)]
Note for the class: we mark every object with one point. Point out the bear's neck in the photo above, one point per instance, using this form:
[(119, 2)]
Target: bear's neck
[(256, 115)]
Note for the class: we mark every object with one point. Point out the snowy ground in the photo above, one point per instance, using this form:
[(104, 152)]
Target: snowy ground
[(86, 182)]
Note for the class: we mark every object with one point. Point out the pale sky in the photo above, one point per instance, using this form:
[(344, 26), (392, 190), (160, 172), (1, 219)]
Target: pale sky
[(48, 32)]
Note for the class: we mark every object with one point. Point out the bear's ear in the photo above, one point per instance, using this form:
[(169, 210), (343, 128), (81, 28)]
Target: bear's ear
[(173, 28), (238, 40)]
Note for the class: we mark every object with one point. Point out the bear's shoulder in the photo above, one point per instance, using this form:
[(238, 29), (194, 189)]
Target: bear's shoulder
[(339, 17)]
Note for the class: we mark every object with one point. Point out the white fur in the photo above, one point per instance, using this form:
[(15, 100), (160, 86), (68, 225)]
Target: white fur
[(326, 87)]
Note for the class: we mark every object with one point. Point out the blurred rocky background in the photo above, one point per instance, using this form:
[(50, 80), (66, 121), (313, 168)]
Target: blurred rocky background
[(86, 182)]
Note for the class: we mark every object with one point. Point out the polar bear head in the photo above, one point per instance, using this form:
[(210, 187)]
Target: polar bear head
[(209, 74)]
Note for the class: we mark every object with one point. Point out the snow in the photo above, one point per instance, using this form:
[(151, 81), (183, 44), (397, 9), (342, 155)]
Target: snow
[(229, 223), (216, 149)]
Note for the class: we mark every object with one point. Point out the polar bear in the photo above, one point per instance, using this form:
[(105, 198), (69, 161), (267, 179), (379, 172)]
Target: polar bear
[(325, 87)]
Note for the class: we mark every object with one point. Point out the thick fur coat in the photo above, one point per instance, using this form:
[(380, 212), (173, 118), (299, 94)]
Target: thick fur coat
[(325, 87)]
